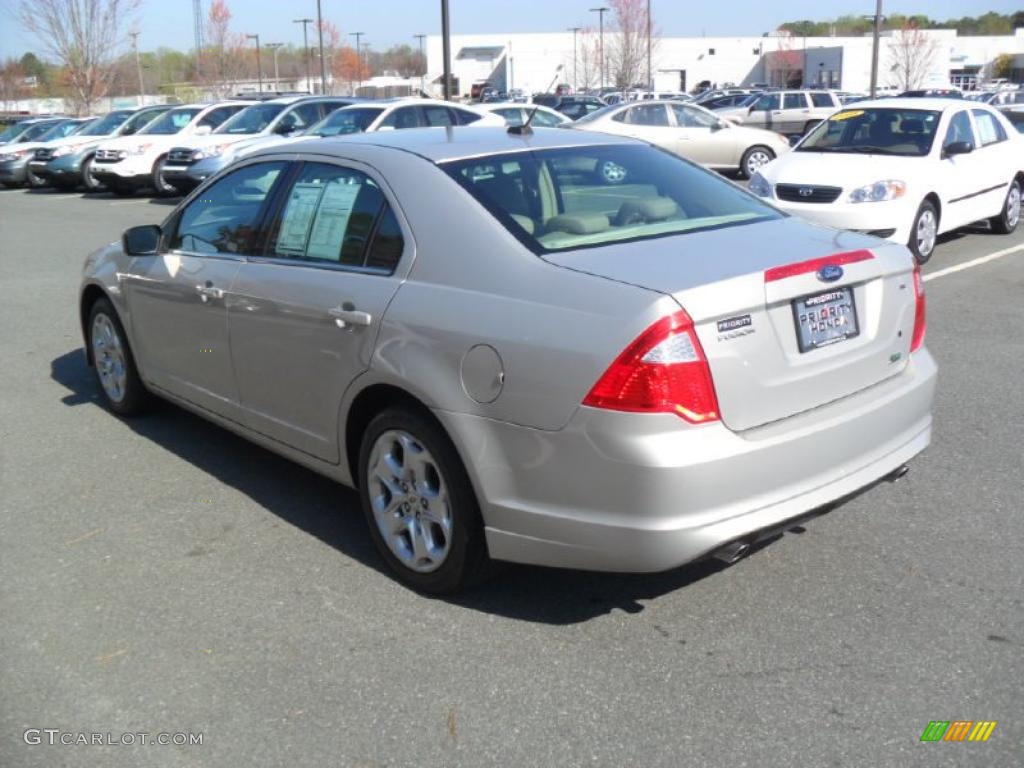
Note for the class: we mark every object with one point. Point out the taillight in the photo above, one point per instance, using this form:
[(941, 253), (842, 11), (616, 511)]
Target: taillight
[(919, 319), (664, 370)]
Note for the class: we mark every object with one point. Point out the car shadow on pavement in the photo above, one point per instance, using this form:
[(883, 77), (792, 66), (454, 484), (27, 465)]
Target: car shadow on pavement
[(331, 513)]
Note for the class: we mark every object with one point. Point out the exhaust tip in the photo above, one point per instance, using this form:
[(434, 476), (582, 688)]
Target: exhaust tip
[(732, 552), (899, 473)]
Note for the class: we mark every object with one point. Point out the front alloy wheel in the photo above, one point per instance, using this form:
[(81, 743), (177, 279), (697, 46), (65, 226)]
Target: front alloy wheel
[(1007, 220), (754, 159), (113, 362), (924, 232)]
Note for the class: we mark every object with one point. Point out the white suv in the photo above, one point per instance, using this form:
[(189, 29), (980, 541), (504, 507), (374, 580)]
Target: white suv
[(129, 163)]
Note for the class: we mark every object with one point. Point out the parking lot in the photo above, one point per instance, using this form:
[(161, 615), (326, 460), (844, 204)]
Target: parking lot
[(163, 575)]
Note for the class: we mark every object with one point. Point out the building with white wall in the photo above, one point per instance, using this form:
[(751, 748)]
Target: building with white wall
[(530, 61)]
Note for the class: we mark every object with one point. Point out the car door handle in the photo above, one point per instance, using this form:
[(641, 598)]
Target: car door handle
[(209, 291), (344, 316)]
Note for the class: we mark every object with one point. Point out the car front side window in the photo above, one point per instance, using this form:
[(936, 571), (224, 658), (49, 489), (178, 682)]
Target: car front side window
[(959, 130), (225, 217)]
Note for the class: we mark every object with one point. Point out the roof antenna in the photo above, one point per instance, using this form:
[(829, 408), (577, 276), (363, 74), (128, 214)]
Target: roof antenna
[(525, 129)]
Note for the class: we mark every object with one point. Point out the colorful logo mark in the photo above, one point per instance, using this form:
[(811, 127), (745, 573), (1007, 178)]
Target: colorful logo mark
[(958, 730)]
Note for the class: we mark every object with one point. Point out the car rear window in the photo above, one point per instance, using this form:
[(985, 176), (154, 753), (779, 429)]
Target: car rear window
[(565, 198)]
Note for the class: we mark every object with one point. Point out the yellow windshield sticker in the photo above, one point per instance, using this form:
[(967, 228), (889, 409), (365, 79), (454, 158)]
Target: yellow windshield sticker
[(847, 115)]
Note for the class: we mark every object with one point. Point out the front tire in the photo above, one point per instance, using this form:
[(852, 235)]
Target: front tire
[(90, 182), (163, 189), (924, 232), (754, 159), (419, 504), (1007, 220), (114, 363), (32, 181)]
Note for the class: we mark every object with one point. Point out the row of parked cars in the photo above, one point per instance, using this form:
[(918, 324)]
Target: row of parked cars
[(905, 169)]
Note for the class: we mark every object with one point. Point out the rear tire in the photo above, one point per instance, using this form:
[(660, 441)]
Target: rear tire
[(754, 159), (924, 232), (419, 503), (1007, 220), (113, 362)]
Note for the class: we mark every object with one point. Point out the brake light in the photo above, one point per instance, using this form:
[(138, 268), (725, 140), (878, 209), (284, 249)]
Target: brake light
[(663, 371), (919, 314)]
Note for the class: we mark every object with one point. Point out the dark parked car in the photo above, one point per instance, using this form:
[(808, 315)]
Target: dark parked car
[(933, 93)]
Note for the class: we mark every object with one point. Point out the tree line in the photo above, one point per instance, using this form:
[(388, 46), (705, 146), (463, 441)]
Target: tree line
[(990, 23)]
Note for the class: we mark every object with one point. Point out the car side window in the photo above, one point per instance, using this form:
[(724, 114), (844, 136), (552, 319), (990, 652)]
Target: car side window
[(306, 115), (767, 102), (794, 101), (463, 116), (403, 117), (990, 131), (512, 115), (959, 129), (328, 216), (648, 114), (225, 217), (387, 244), (822, 100)]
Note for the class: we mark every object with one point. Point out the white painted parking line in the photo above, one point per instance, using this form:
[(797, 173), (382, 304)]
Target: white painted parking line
[(973, 263), (56, 197), (132, 202)]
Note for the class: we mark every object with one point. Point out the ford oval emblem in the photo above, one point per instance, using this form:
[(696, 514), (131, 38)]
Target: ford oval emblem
[(830, 273)]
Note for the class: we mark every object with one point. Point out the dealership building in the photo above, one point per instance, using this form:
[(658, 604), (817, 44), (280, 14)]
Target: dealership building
[(531, 61)]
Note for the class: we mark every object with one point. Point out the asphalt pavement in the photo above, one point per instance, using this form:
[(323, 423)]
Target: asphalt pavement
[(161, 575)]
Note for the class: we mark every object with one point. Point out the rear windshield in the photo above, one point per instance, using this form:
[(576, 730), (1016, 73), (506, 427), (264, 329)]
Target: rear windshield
[(876, 131), (559, 199), (171, 122), (345, 121)]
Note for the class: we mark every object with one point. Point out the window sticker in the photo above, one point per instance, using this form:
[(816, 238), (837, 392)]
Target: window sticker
[(332, 219)]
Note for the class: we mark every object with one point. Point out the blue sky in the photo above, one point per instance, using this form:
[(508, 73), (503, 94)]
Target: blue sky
[(386, 22)]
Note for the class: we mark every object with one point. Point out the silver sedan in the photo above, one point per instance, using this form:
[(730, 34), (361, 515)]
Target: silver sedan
[(514, 354)]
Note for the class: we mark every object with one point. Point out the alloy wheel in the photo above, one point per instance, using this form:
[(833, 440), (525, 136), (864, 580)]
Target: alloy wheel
[(927, 228), (757, 160), (410, 501), (109, 357), (1013, 206)]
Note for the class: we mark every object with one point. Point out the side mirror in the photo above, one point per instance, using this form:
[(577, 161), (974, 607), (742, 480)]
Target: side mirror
[(957, 148), (283, 129), (203, 130), (752, 108), (143, 240), (719, 126)]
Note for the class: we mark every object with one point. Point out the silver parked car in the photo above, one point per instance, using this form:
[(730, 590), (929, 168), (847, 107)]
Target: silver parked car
[(513, 358)]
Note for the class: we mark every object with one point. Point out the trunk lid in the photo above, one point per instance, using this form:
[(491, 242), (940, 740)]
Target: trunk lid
[(739, 285)]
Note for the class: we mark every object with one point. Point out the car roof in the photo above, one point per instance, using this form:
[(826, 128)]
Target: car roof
[(910, 102), (455, 143)]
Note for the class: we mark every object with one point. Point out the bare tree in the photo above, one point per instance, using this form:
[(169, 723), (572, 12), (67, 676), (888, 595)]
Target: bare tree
[(787, 62), (12, 83), (911, 55), (586, 70), (224, 60), (84, 35), (626, 47)]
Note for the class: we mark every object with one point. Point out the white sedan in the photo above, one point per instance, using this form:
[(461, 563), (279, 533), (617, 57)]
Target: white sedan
[(517, 114), (692, 132), (903, 169)]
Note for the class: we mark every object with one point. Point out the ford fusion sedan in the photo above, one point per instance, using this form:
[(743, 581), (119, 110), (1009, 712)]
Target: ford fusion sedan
[(67, 163), (512, 358), (129, 163), (903, 169), (195, 160), (15, 156), (692, 132)]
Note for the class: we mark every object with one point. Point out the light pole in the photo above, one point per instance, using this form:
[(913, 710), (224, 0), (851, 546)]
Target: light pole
[(138, 66), (446, 46), (600, 21), (305, 46), (650, 79), (423, 64), (876, 33), (575, 60), (259, 69), (359, 58), (275, 47), (320, 30)]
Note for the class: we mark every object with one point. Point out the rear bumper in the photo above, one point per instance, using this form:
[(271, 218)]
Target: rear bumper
[(627, 492)]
